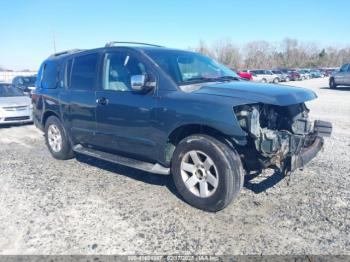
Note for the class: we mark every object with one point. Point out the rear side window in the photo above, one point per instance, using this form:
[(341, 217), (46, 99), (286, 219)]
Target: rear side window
[(68, 72), (84, 72), (49, 75)]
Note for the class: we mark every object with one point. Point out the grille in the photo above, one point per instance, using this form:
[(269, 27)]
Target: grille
[(17, 118), (15, 108)]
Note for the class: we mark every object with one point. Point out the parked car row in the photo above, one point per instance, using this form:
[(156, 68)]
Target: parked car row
[(277, 75)]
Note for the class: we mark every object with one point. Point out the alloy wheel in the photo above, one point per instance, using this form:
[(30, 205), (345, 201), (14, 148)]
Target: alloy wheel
[(199, 173)]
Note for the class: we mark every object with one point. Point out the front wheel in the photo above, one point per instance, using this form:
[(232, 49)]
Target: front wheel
[(275, 81), (332, 84), (207, 173), (57, 140)]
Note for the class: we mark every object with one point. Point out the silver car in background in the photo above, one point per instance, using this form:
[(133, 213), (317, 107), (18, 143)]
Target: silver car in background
[(283, 77), (340, 77), (15, 106)]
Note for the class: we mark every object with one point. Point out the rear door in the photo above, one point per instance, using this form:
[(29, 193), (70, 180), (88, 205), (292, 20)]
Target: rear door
[(78, 98)]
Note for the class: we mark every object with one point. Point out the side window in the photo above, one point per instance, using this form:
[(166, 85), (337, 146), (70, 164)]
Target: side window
[(84, 72), (344, 68), (118, 69), (68, 73), (49, 75)]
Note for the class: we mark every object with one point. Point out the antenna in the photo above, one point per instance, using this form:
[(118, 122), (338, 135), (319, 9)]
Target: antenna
[(54, 41)]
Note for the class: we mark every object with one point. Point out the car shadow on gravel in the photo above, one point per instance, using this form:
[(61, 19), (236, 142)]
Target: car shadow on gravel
[(161, 180), (139, 175), (337, 89), (263, 185), (15, 125)]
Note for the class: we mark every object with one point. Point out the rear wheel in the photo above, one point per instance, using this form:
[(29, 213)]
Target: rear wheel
[(207, 173), (332, 84), (57, 140), (263, 80)]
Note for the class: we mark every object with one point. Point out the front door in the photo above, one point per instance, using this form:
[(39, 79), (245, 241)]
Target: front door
[(125, 119), (340, 76)]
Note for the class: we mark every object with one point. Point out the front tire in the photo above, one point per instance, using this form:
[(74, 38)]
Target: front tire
[(332, 84), (207, 173), (57, 140)]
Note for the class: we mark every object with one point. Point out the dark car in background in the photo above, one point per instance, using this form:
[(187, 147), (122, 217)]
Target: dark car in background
[(175, 112), (294, 75), (25, 83)]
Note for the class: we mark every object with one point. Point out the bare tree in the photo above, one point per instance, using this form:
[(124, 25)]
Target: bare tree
[(287, 53)]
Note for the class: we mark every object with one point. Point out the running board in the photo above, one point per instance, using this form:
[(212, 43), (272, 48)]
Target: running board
[(145, 166)]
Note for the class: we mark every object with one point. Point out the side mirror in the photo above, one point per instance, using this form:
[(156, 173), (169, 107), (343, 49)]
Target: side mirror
[(138, 82), (142, 83)]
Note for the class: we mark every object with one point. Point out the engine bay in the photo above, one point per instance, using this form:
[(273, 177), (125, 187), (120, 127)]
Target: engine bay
[(275, 133)]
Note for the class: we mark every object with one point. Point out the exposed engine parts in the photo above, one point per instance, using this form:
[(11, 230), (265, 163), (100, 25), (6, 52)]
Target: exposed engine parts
[(278, 133)]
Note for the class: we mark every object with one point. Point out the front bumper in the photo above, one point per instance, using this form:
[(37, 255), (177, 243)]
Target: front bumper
[(306, 154), (298, 161), (16, 117)]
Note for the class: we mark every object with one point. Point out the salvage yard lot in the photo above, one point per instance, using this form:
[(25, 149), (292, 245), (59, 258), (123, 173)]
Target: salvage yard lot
[(87, 206)]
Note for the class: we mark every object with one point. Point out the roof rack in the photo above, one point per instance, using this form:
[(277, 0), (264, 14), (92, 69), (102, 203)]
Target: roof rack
[(71, 51), (110, 44)]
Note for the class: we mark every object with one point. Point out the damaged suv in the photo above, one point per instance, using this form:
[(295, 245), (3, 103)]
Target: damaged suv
[(175, 112)]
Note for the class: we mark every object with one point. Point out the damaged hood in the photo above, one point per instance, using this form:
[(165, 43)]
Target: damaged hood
[(279, 95)]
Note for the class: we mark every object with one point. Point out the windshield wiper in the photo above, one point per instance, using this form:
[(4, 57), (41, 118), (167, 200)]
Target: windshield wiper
[(212, 79), (223, 78)]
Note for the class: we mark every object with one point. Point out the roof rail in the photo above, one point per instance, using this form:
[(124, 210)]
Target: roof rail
[(110, 44), (71, 51)]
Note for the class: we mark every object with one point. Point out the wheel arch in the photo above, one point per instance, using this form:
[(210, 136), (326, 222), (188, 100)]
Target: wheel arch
[(46, 115), (186, 130)]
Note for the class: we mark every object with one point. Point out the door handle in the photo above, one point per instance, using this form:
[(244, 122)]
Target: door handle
[(102, 101)]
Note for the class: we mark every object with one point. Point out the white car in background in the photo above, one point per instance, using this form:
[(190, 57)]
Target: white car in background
[(15, 106), (264, 76)]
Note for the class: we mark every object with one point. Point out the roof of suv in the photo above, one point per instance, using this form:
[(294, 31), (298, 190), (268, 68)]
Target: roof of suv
[(131, 45)]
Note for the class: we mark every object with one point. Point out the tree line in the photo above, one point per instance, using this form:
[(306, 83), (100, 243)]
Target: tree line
[(288, 53)]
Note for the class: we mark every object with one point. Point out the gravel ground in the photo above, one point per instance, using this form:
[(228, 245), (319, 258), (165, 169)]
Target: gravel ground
[(87, 206)]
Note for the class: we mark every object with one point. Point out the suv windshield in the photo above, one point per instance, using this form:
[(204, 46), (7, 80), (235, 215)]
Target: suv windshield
[(187, 68), (9, 91)]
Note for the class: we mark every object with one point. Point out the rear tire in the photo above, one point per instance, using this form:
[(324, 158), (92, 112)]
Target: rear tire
[(263, 80), (207, 173), (57, 140)]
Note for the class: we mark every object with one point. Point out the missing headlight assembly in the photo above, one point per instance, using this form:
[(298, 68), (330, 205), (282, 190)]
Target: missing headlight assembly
[(279, 135)]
